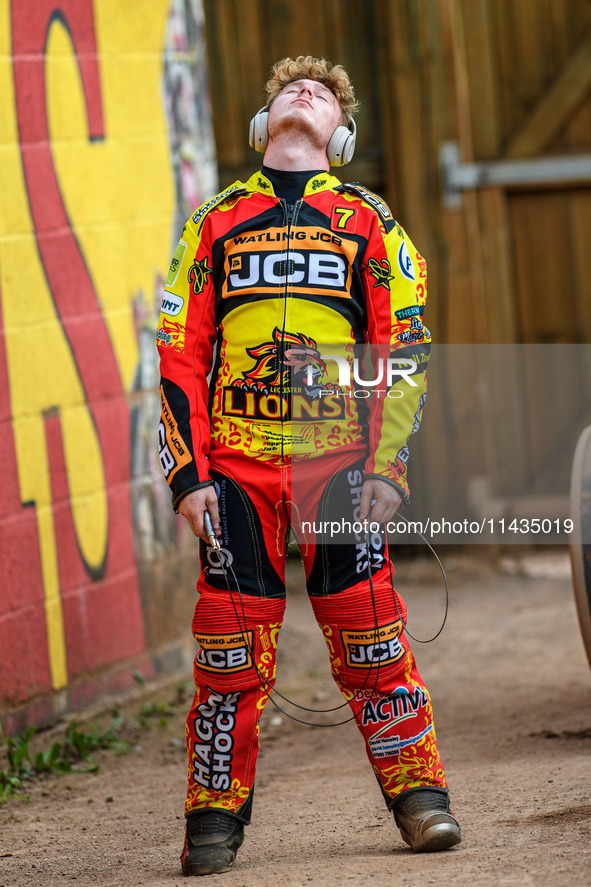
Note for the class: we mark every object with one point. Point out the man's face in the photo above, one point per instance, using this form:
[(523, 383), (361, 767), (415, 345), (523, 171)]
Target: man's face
[(306, 105)]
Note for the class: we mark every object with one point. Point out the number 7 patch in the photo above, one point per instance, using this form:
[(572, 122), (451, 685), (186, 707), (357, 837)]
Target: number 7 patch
[(344, 218)]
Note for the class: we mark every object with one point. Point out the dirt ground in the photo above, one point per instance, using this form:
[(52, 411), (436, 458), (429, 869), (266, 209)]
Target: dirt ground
[(511, 688)]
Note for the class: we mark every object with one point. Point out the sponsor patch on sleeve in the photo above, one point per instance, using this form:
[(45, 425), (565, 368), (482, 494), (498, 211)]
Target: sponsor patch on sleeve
[(171, 304), (405, 262), (344, 218), (176, 263), (172, 449)]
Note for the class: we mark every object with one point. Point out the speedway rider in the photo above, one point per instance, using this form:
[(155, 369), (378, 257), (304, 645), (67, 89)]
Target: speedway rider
[(259, 430)]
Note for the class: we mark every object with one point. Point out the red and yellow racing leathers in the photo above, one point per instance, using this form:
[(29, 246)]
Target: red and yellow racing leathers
[(266, 320)]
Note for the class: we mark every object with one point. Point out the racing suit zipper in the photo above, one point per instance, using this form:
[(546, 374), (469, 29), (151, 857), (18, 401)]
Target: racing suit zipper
[(290, 210)]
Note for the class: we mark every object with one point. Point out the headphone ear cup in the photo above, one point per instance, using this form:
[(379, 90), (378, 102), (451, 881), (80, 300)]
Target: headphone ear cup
[(258, 136), (341, 146)]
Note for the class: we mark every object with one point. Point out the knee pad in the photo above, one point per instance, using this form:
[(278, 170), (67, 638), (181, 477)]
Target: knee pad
[(364, 633), (237, 637)]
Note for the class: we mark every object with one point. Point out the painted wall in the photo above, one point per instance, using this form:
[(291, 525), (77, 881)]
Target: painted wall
[(105, 146)]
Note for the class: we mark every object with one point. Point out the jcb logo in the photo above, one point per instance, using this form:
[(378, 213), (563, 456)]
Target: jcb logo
[(167, 460), (382, 646), (307, 269), (227, 653), (172, 449)]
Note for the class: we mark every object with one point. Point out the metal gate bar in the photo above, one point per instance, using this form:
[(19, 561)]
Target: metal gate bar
[(458, 176)]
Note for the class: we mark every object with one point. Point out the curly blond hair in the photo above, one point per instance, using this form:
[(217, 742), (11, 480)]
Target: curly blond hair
[(306, 67)]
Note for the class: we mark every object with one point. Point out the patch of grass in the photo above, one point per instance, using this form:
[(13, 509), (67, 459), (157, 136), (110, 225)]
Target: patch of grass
[(20, 767), (50, 761), (80, 743), (139, 678), (72, 756), (155, 713), (159, 713), (75, 753)]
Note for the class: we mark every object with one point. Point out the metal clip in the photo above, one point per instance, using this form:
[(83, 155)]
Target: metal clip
[(210, 533)]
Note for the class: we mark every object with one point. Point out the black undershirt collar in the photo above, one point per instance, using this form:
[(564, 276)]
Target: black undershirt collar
[(288, 184)]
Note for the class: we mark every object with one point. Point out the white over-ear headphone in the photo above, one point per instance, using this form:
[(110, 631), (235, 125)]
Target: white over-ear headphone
[(339, 150)]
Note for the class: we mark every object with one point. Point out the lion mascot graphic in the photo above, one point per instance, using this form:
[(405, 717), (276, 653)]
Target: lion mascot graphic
[(289, 361)]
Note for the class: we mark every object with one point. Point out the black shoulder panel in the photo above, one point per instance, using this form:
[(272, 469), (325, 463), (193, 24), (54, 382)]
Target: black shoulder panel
[(205, 208), (378, 204)]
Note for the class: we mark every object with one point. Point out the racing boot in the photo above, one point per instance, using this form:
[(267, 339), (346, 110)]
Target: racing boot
[(424, 820), (211, 842)]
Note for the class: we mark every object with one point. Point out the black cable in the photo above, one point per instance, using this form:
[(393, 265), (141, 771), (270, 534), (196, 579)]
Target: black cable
[(270, 690), (446, 611)]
